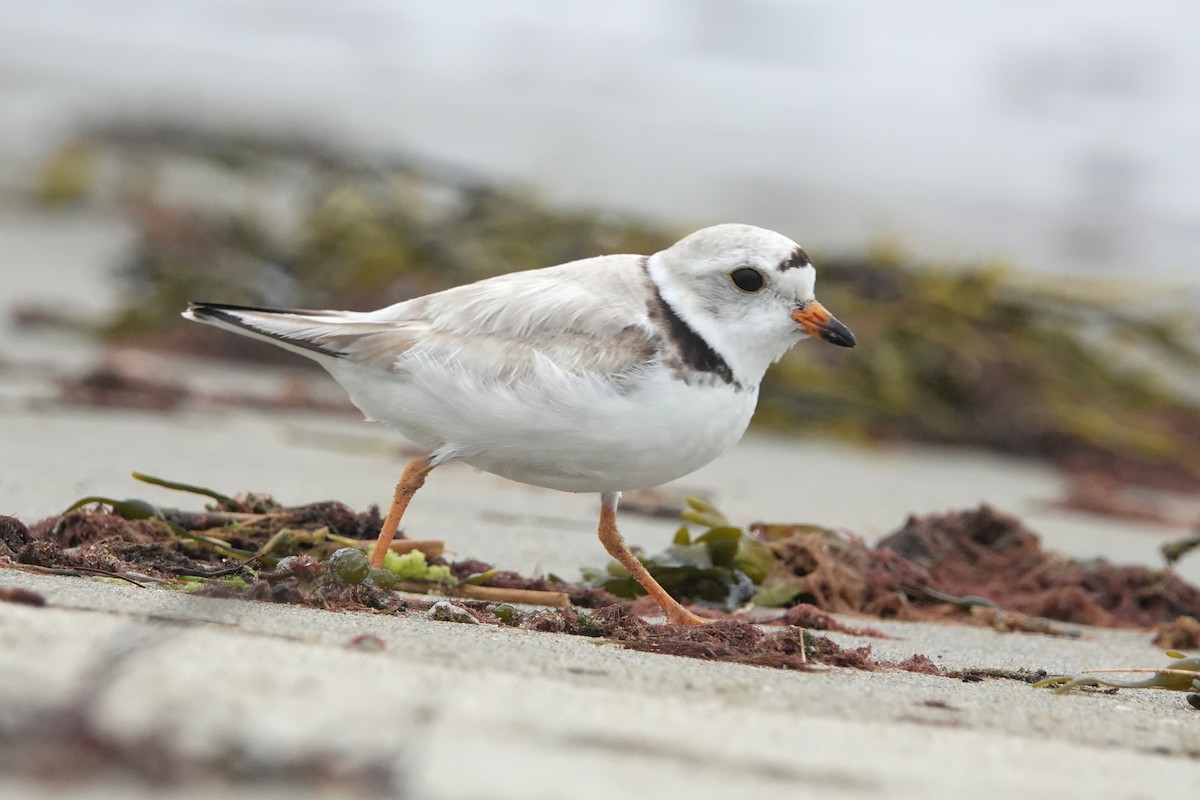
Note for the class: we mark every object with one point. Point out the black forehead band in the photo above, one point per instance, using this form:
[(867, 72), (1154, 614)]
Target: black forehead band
[(796, 260)]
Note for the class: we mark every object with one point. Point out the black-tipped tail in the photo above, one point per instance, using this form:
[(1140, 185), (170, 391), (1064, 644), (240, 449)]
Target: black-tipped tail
[(282, 326)]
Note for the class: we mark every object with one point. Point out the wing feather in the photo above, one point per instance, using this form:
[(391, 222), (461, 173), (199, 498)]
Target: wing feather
[(586, 317)]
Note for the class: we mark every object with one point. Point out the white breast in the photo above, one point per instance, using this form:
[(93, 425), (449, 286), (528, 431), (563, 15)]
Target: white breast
[(561, 430)]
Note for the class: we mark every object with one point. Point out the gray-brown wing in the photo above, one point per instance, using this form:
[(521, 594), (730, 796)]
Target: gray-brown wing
[(585, 317)]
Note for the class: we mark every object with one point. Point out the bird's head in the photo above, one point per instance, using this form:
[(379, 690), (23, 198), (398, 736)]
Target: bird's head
[(748, 291)]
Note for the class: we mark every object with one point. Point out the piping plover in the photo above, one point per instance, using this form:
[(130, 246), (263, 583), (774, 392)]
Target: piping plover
[(602, 375)]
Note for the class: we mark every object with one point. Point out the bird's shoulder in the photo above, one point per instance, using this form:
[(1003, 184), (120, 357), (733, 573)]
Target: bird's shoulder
[(598, 297), (586, 317)]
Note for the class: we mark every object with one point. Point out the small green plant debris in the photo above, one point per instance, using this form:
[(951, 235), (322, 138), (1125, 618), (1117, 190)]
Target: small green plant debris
[(1182, 675), (721, 567), (506, 613), (349, 565), (249, 503), (1174, 550), (381, 577), (413, 566)]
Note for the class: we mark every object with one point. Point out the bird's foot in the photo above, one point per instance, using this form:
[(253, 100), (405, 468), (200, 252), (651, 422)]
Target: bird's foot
[(678, 615)]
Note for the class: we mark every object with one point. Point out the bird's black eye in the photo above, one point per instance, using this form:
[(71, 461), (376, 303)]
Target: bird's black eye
[(747, 279)]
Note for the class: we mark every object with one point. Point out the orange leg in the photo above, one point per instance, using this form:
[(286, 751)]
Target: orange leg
[(412, 479), (611, 538)]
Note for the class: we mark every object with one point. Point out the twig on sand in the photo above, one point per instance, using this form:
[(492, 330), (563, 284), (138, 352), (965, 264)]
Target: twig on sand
[(78, 572), (492, 593)]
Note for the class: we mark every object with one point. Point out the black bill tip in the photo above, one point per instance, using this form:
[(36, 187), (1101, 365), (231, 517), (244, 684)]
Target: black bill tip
[(835, 332)]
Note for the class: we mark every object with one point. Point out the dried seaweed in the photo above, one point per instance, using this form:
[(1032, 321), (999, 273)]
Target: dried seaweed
[(987, 553), (979, 567), (164, 543), (1182, 633), (249, 546), (14, 536), (141, 537)]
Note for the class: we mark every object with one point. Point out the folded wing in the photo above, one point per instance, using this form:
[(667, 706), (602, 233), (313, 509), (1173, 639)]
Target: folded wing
[(587, 318)]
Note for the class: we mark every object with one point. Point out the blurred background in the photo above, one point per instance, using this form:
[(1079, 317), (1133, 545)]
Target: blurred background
[(1060, 135), (1001, 196)]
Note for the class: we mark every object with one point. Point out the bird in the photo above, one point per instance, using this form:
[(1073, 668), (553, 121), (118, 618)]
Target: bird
[(602, 375)]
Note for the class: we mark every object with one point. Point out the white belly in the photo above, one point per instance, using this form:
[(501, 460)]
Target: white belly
[(571, 433)]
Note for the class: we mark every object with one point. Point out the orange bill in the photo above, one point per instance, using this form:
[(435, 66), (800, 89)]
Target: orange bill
[(817, 321)]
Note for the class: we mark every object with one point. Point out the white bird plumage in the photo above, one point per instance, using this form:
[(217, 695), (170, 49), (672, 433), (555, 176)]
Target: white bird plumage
[(601, 375)]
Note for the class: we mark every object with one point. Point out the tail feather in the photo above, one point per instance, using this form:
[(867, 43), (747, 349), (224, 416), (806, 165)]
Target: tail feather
[(293, 329)]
